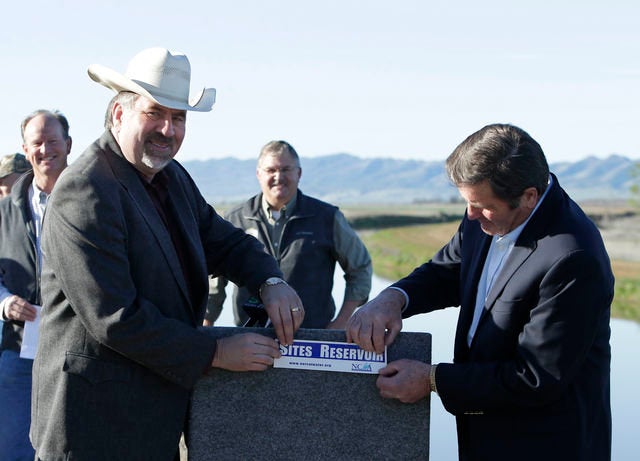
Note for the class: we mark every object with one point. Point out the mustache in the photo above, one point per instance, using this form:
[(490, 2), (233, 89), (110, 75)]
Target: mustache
[(160, 138)]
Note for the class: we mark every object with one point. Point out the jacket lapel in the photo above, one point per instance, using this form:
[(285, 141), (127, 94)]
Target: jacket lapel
[(518, 256), (183, 213), (132, 183)]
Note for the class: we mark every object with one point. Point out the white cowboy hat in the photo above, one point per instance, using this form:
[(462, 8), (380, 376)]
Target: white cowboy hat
[(157, 74)]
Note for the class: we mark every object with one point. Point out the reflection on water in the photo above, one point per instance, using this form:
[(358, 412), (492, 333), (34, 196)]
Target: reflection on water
[(625, 400)]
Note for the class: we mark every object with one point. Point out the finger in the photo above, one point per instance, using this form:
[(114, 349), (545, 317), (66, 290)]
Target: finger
[(268, 347), (20, 309), (362, 335), (264, 355), (29, 313), (298, 317), (276, 321), (283, 325), (351, 328), (392, 332), (378, 337), (388, 371), (260, 361), (297, 311), (385, 392), (288, 324)]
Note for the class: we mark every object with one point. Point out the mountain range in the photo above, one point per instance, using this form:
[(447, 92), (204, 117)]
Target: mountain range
[(348, 179)]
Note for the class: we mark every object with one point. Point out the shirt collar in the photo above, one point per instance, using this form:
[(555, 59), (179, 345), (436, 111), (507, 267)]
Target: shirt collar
[(515, 233), (289, 207), (34, 194)]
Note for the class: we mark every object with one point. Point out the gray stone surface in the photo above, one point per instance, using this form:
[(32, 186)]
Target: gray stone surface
[(285, 414)]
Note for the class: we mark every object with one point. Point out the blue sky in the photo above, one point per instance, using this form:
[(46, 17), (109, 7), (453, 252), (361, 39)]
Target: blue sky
[(402, 78)]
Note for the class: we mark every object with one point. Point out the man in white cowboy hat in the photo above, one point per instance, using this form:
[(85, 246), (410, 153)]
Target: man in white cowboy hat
[(128, 244)]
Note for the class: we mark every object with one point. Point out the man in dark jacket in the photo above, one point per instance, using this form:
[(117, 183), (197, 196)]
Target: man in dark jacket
[(531, 368), (47, 143)]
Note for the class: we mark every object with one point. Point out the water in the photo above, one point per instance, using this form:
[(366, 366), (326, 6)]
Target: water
[(625, 400)]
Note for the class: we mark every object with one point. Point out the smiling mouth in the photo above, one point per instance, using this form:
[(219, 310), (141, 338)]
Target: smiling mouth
[(160, 145)]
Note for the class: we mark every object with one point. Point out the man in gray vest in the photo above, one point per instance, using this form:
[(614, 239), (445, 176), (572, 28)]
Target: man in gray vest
[(306, 236)]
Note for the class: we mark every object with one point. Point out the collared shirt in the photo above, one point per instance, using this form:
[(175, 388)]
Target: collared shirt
[(499, 251), (158, 191), (276, 220), (38, 201)]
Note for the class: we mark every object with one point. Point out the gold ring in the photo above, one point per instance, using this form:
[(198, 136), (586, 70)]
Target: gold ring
[(295, 309)]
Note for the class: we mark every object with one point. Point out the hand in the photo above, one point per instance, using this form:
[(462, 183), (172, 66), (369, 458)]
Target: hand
[(16, 308), (377, 323), (207, 323), (405, 380), (279, 300), (245, 352)]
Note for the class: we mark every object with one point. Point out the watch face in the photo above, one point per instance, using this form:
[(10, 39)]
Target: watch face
[(273, 281)]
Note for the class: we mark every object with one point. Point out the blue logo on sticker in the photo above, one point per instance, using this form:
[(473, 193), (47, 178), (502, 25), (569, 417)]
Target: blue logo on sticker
[(361, 367)]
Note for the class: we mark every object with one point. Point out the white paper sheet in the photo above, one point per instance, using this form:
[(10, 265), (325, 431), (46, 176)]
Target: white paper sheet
[(30, 337)]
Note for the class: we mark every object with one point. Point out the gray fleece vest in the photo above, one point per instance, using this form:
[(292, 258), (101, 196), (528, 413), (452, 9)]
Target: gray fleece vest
[(307, 256)]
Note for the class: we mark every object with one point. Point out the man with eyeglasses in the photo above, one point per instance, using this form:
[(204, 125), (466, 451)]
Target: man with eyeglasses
[(306, 236)]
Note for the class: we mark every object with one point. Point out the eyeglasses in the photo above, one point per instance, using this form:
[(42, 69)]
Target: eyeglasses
[(284, 170)]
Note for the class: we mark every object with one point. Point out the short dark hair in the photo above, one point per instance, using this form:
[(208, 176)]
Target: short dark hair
[(55, 114), (505, 156)]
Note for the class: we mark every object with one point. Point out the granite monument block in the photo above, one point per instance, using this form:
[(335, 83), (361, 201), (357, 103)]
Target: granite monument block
[(289, 414)]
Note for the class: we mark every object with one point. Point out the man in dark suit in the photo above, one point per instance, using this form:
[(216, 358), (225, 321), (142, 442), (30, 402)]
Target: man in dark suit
[(128, 241), (530, 374)]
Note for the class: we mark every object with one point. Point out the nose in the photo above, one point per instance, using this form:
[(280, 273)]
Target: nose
[(167, 128), (44, 148), (472, 212)]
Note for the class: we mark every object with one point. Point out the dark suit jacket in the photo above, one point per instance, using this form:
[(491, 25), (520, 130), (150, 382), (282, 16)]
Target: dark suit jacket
[(119, 350), (534, 384), (18, 257)]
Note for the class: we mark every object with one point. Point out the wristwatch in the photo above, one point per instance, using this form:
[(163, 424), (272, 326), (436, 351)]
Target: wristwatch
[(432, 378), (271, 281)]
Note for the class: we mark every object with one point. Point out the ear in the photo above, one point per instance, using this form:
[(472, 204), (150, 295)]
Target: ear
[(116, 115), (69, 143), (529, 198)]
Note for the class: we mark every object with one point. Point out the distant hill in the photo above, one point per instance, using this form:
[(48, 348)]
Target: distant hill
[(347, 179)]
